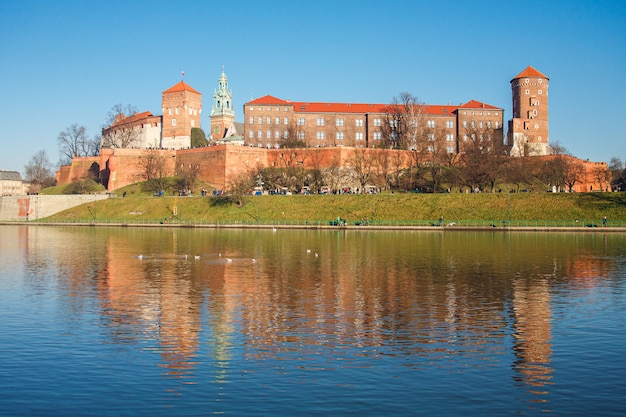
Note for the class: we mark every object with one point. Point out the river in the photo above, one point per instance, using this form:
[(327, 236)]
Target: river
[(101, 321)]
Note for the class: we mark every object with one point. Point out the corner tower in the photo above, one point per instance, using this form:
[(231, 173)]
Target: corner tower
[(182, 107), (222, 113), (528, 130)]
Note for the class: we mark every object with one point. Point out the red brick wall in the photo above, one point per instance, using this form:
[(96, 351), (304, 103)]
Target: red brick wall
[(218, 164)]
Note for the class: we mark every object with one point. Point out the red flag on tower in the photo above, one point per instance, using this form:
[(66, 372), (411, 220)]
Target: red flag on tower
[(183, 73)]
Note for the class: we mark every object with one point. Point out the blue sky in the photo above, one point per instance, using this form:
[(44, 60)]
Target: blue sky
[(65, 62)]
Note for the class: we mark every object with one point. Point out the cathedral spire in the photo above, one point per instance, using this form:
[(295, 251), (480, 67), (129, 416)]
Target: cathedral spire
[(222, 112), (222, 98)]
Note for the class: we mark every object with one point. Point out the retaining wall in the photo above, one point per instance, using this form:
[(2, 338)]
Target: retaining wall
[(33, 207)]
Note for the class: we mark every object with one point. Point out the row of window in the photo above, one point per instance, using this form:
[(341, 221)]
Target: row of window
[(480, 124), (268, 134), (193, 122), (268, 120), (176, 110), (300, 121), (431, 148), (480, 113), (338, 135), (320, 121), (473, 136)]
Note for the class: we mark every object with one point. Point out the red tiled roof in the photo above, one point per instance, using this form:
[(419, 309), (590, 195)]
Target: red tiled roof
[(317, 107), (306, 107), (181, 86), (131, 119), (268, 100), (530, 72), (473, 104), (438, 109)]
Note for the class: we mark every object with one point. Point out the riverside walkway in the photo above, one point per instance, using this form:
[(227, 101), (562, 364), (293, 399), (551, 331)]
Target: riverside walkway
[(432, 225)]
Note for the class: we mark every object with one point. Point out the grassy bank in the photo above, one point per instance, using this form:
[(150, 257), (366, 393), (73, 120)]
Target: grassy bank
[(382, 207)]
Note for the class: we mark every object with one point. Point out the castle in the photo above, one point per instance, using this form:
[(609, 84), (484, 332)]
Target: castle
[(327, 133), (181, 105)]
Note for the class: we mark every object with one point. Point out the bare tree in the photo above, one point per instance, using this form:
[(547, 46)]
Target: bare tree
[(152, 163), (291, 140), (482, 161), (119, 130), (332, 175), (404, 125), (602, 175), (316, 179), (382, 165), (39, 171), (362, 165), (187, 175), (73, 142), (441, 156), (398, 162), (239, 185), (93, 145), (552, 173), (119, 109), (573, 173), (517, 171), (558, 149), (618, 174)]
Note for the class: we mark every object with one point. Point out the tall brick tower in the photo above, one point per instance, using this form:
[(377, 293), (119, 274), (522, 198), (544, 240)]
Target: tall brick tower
[(528, 129), (182, 107), (222, 112)]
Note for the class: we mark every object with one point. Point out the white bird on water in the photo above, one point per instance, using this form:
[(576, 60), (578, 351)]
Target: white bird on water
[(140, 256), (228, 260), (308, 251), (196, 257), (253, 260)]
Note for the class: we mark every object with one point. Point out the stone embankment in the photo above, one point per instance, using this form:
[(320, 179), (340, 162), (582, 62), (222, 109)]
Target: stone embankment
[(33, 207)]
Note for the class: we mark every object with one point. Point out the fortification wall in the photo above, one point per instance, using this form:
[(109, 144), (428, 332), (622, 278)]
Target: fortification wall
[(217, 165)]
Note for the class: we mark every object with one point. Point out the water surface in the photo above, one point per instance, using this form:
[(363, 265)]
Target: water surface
[(142, 321)]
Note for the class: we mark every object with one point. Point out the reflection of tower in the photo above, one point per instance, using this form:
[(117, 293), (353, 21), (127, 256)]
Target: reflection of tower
[(147, 297), (528, 129), (222, 113), (531, 308)]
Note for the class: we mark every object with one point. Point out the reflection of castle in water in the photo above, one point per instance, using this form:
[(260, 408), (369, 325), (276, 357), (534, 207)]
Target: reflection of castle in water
[(532, 315), (450, 301)]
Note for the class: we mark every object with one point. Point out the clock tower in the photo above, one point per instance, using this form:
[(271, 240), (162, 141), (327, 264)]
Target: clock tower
[(222, 113)]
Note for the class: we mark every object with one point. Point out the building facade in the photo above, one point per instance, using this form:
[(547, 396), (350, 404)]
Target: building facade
[(140, 130), (270, 121), (182, 107), (528, 128), (11, 183)]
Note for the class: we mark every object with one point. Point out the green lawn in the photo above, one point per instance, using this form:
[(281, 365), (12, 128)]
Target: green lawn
[(381, 207)]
